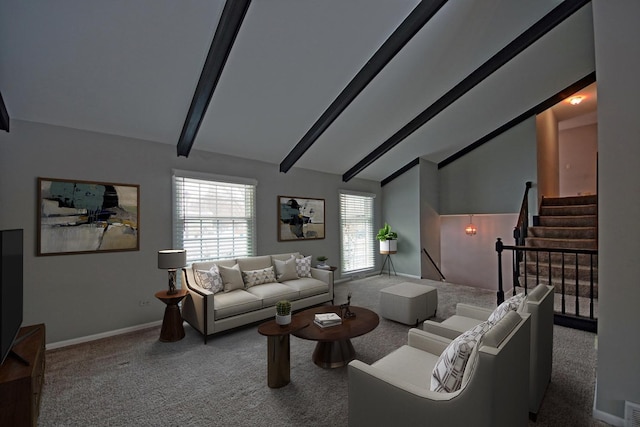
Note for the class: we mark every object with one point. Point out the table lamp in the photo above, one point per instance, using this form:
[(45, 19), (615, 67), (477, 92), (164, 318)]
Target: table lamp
[(172, 259)]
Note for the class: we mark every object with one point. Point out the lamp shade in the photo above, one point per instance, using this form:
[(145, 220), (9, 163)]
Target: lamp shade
[(170, 259)]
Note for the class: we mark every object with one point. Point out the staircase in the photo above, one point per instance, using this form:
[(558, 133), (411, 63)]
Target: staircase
[(564, 223)]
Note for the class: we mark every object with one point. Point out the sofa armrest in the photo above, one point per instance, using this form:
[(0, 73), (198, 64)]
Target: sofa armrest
[(377, 398), (437, 329), (425, 341), (473, 312), (324, 275)]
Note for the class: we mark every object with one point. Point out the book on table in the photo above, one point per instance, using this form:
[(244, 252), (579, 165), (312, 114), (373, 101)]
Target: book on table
[(327, 319)]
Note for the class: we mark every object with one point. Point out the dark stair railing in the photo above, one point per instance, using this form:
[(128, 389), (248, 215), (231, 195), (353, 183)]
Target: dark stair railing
[(434, 264), (520, 231), (562, 318), (520, 256)]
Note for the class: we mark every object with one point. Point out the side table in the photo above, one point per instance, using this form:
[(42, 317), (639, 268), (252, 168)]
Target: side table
[(172, 329), (278, 350)]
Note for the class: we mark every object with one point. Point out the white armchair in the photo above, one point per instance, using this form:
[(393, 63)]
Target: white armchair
[(395, 390), (540, 306)]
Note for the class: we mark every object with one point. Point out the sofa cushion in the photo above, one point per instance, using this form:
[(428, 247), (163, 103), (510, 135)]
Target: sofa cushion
[(286, 270), (234, 302), (270, 293), (254, 262), (448, 372), (408, 364), (210, 279), (258, 277), (286, 256), (307, 286), (303, 266), (231, 277), (515, 303), (460, 323)]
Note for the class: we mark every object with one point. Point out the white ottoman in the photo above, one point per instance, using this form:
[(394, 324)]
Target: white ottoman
[(408, 303)]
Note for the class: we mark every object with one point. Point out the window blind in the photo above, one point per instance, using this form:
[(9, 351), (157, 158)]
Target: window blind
[(214, 219), (357, 239)]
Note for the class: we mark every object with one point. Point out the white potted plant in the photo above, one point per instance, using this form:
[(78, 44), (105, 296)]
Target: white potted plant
[(388, 240), (283, 312), (322, 261)]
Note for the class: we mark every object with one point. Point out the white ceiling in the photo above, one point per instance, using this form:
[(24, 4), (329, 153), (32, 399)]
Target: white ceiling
[(130, 68)]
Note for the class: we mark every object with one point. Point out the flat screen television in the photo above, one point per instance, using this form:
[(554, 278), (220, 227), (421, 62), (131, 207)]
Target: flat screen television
[(10, 289)]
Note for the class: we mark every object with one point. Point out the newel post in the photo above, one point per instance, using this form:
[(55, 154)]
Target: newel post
[(499, 246)]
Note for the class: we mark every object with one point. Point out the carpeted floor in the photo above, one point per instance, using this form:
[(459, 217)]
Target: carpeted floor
[(135, 380)]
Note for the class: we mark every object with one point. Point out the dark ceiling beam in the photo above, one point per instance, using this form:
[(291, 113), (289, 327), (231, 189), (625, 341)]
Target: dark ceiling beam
[(232, 16), (420, 15), (524, 40), (401, 171), (544, 105), (4, 115)]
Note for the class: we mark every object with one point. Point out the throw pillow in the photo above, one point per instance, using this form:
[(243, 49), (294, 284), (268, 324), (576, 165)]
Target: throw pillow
[(515, 303), (210, 279), (286, 270), (231, 277), (303, 266), (448, 371), (258, 277)]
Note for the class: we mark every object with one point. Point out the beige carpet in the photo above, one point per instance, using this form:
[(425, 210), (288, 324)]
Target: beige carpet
[(135, 380)]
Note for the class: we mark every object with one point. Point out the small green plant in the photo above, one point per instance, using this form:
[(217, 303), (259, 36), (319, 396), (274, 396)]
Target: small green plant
[(385, 233), (322, 258), (283, 307)]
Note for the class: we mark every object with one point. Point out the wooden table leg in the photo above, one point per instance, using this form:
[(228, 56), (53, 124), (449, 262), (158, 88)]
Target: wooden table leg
[(333, 354), (278, 365)]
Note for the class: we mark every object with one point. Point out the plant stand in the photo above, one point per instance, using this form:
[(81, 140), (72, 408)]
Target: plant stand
[(389, 263)]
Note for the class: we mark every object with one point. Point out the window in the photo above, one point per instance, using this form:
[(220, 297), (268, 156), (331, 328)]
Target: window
[(356, 224), (214, 216)]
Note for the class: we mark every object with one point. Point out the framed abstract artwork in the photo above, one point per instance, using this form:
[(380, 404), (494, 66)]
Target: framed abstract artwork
[(300, 218), (86, 216)]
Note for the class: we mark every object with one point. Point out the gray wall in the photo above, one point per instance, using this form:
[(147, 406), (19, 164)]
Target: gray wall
[(87, 294), (401, 209), (430, 234), (491, 179), (618, 68)]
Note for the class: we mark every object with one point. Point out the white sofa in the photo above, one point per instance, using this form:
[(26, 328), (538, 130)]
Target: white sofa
[(395, 390), (210, 312), (539, 304)]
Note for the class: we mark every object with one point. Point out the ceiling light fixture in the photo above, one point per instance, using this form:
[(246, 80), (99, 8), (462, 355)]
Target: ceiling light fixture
[(576, 100)]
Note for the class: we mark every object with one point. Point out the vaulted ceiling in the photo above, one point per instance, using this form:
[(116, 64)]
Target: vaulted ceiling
[(131, 68)]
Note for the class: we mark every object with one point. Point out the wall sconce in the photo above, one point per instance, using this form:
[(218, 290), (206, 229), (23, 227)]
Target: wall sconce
[(172, 259), (471, 229)]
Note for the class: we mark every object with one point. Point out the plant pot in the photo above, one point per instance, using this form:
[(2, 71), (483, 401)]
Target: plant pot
[(283, 319), (388, 247)]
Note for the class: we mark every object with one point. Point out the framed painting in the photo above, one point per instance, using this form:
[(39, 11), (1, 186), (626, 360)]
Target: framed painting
[(300, 218), (86, 216)]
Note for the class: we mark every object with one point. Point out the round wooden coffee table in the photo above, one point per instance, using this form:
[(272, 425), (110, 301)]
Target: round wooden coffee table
[(334, 348)]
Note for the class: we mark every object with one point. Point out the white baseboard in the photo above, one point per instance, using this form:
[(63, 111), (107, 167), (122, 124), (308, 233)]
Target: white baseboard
[(88, 338), (608, 418), (605, 416)]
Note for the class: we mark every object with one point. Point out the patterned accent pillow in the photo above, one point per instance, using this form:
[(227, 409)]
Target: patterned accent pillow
[(515, 303), (303, 266), (258, 277), (448, 372), (286, 270), (210, 279)]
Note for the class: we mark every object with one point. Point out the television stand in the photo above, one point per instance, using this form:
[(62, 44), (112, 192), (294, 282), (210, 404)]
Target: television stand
[(21, 384), (17, 341)]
